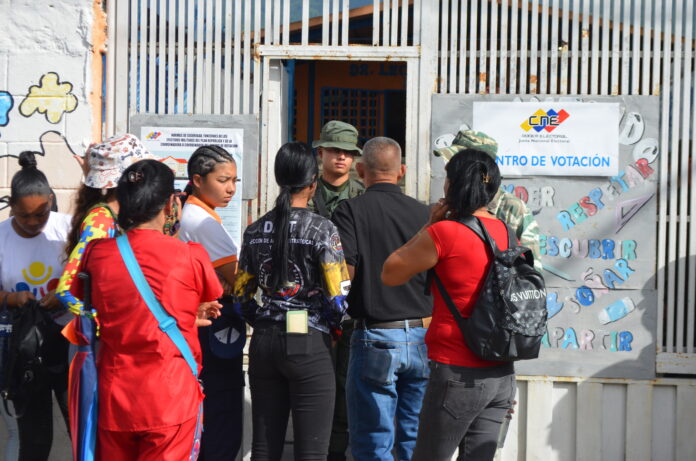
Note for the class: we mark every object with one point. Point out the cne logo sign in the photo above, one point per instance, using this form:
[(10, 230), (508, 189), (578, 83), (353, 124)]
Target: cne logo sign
[(542, 120), (153, 135)]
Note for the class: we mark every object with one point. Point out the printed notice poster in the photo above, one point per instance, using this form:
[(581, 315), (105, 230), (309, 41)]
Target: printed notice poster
[(175, 145), (552, 138)]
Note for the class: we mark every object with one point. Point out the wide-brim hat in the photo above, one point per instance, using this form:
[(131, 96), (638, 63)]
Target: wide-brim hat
[(469, 139), (339, 135), (108, 160)]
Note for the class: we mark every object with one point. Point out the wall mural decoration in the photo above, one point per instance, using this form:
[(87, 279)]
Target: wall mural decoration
[(50, 97), (6, 104), (53, 145), (597, 239)]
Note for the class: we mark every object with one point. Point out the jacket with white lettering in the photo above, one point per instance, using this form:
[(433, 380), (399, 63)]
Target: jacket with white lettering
[(319, 280)]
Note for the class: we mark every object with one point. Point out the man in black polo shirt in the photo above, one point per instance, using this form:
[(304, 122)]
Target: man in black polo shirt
[(388, 369)]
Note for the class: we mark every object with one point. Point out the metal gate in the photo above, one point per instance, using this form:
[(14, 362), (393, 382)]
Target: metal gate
[(215, 57), (223, 57)]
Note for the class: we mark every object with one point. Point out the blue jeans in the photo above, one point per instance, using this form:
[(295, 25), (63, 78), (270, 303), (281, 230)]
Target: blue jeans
[(387, 377)]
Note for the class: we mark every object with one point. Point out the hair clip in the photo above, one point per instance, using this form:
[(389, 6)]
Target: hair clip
[(486, 179), (135, 176)]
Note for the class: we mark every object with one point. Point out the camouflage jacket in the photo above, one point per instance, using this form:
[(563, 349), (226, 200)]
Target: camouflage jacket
[(325, 201), (515, 213)]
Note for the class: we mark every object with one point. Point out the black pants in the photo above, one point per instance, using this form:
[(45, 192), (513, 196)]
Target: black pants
[(303, 382), (463, 408), (223, 384), (35, 423), (222, 412), (338, 443)]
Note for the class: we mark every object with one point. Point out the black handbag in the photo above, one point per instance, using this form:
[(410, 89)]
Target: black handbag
[(25, 366)]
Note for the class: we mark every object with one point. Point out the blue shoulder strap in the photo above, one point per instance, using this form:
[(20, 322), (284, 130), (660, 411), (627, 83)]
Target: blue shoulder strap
[(167, 323)]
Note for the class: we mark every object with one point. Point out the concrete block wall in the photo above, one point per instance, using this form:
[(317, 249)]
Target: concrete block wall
[(47, 93), (47, 101)]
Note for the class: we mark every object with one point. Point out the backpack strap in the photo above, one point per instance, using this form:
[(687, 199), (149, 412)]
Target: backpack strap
[(461, 321), (512, 237), (477, 227), (167, 323), (475, 224)]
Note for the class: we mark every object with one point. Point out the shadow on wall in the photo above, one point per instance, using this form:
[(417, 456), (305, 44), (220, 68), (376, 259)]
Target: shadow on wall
[(627, 417)]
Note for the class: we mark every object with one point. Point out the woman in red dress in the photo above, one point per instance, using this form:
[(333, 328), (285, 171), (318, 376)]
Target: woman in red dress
[(148, 398)]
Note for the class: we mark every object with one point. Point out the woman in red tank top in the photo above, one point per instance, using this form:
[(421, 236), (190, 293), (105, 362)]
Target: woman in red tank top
[(467, 397)]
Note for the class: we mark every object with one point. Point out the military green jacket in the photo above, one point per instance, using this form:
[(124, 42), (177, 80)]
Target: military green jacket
[(514, 212), (327, 197)]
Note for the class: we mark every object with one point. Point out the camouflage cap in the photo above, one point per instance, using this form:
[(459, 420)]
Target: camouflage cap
[(469, 139), (339, 135)]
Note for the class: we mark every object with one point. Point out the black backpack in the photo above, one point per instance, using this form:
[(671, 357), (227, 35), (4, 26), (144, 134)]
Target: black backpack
[(509, 317), (24, 368)]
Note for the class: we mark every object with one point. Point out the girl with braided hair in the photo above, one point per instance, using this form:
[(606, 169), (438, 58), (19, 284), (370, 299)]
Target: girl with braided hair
[(212, 173)]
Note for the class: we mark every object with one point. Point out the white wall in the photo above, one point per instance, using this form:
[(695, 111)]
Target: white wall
[(573, 419), (40, 41), (564, 419)]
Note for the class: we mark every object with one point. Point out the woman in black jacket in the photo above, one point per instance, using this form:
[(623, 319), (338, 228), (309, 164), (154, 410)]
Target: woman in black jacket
[(295, 257)]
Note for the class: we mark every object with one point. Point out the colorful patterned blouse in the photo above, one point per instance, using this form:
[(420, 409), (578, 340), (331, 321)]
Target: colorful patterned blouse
[(99, 223)]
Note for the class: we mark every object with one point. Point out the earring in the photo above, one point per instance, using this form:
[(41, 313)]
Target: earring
[(171, 224)]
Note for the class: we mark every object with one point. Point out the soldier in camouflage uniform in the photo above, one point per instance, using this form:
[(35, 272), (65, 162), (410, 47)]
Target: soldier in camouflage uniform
[(505, 206), (337, 147)]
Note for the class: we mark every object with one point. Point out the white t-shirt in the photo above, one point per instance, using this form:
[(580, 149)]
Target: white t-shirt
[(199, 223), (33, 264)]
